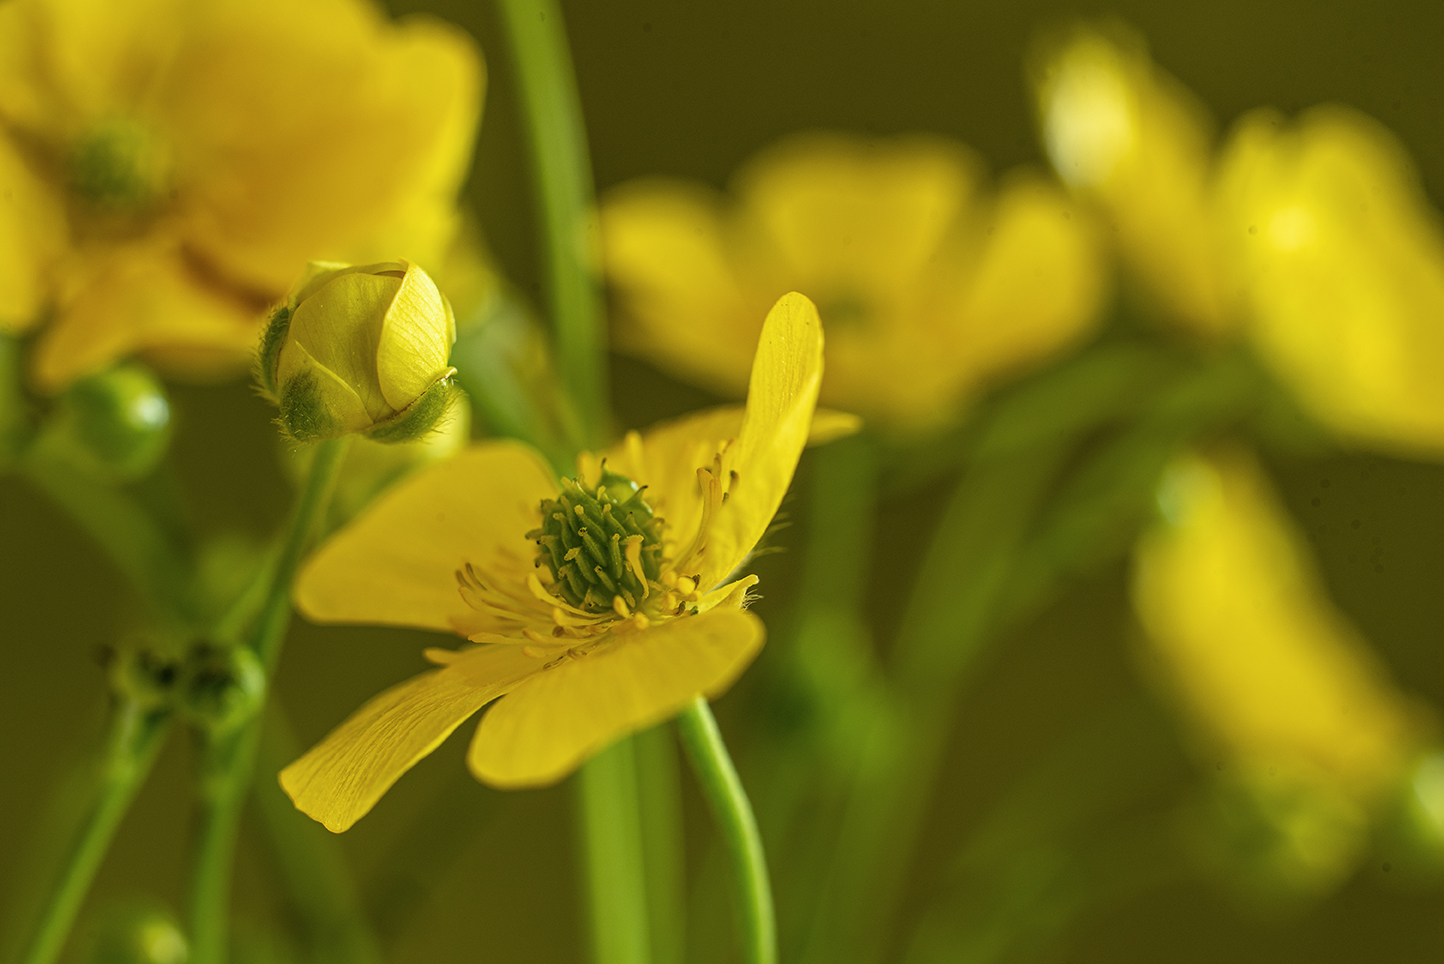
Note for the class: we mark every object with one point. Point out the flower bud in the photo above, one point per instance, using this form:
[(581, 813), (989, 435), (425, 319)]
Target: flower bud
[(116, 423), (138, 932), (360, 349), (222, 687)]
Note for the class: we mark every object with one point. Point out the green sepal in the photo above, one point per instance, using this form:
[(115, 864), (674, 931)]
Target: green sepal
[(305, 417), (268, 354), (222, 687), (420, 418)]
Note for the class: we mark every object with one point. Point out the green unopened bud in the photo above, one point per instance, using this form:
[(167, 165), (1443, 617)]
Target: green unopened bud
[(223, 687), (138, 933), (141, 674), (116, 423), (360, 349)]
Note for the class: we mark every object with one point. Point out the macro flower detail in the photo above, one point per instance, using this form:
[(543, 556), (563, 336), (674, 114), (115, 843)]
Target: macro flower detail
[(600, 604), (167, 168), (360, 349), (929, 286)]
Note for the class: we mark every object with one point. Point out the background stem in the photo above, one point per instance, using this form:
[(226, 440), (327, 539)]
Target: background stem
[(134, 739), (723, 790), (615, 867), (561, 166), (229, 759)]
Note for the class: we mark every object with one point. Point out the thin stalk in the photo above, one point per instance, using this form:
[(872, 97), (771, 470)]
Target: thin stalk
[(659, 794), (562, 170), (615, 865), (229, 759), (830, 676), (723, 790), (132, 743), (948, 621)]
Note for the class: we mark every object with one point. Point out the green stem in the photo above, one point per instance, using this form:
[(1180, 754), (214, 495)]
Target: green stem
[(134, 739), (229, 759), (563, 183), (616, 872), (948, 620), (659, 795), (723, 790)]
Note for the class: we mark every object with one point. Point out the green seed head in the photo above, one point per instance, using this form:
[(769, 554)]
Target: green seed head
[(601, 545)]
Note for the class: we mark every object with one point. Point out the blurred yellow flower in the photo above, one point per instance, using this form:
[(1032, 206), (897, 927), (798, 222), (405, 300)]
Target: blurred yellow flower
[(1274, 678), (167, 167), (1314, 238), (1341, 261), (1129, 137), (602, 612), (928, 286)]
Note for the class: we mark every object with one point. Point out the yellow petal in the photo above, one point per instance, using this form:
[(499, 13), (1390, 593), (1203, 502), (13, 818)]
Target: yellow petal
[(415, 342), (666, 457), (780, 401), (559, 718), (32, 236), (1241, 630), (396, 563), (683, 308), (340, 779), (1038, 283), (1128, 135), (322, 132), (144, 299), (1343, 261), (828, 213), (339, 326)]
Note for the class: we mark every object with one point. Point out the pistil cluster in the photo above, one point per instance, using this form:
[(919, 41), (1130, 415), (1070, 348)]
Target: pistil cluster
[(604, 548)]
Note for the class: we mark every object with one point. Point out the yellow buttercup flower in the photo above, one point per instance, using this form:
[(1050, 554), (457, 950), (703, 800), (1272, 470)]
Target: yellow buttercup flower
[(1312, 239), (167, 168), (1273, 677), (601, 605), (929, 287)]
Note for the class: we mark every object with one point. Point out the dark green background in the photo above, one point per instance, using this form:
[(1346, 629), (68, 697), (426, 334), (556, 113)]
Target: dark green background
[(460, 873)]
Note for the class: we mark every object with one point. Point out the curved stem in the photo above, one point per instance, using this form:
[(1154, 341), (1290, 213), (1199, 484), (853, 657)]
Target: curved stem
[(724, 793), (134, 739), (229, 759), (563, 182)]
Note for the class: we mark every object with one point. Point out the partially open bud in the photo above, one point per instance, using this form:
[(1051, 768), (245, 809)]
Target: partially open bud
[(360, 349)]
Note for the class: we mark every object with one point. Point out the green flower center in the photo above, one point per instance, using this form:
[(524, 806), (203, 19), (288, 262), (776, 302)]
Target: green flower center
[(601, 546), (119, 165)]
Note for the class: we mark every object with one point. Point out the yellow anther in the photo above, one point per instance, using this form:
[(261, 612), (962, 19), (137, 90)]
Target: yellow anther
[(686, 586), (620, 605)]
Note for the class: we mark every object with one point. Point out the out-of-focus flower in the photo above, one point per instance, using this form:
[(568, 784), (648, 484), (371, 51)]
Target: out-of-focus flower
[(1124, 134), (601, 605), (360, 349), (167, 168), (1312, 238), (1273, 677), (1341, 264), (929, 287)]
